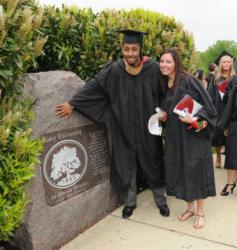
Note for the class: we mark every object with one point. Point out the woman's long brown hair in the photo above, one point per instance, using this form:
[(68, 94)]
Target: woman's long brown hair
[(179, 69)]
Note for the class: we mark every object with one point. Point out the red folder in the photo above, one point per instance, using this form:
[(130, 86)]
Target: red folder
[(187, 106)]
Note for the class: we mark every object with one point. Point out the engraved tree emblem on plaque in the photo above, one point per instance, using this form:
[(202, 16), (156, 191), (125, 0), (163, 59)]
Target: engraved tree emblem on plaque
[(65, 164)]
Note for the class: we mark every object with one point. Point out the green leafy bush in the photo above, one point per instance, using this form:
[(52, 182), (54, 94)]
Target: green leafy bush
[(20, 44), (83, 42), (67, 29), (18, 155)]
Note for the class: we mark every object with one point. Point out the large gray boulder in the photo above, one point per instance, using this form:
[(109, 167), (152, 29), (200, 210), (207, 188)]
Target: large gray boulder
[(71, 189)]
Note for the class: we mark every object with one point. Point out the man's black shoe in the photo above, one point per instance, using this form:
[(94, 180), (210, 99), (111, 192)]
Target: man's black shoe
[(127, 211), (164, 210)]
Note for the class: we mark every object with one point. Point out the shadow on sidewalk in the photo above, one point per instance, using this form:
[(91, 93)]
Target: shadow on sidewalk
[(4, 245)]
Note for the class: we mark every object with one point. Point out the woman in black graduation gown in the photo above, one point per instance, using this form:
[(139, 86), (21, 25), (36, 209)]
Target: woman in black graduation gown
[(225, 71), (188, 156), (228, 122)]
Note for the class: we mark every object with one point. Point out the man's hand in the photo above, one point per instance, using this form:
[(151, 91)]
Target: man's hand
[(163, 116), (64, 109)]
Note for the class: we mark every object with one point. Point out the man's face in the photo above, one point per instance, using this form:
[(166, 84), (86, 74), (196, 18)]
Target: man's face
[(131, 53)]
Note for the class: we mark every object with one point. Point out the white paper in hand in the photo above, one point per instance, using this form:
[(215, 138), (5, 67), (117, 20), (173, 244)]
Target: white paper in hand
[(154, 125)]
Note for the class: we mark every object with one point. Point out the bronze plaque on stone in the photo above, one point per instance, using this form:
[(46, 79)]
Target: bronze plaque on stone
[(74, 160)]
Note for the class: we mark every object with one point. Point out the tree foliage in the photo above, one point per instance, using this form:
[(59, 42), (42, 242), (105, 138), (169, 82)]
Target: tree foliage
[(212, 53)]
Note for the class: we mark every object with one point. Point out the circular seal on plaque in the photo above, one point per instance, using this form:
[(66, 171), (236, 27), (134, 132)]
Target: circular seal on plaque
[(65, 164)]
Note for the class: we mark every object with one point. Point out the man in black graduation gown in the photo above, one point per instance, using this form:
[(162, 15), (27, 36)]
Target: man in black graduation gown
[(130, 88)]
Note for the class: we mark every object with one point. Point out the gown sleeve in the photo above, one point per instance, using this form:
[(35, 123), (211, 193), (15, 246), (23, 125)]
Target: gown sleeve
[(208, 111), (231, 93), (229, 88), (211, 92), (92, 99)]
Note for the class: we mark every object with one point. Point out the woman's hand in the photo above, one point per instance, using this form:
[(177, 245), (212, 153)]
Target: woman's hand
[(187, 119), (64, 109), (226, 132)]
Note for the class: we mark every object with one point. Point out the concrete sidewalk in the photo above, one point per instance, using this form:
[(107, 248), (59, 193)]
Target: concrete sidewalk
[(147, 230)]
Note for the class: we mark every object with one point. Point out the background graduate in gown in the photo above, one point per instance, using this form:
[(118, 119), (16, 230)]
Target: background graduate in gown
[(211, 75), (131, 89), (188, 155), (199, 74), (228, 122), (224, 72)]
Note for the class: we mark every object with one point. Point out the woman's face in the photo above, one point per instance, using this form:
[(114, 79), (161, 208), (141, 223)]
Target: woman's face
[(226, 63), (167, 65)]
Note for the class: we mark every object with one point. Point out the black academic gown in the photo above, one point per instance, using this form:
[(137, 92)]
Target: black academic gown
[(210, 80), (131, 100), (218, 139), (228, 121), (188, 155)]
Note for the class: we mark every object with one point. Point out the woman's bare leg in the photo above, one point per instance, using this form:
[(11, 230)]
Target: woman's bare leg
[(218, 157), (188, 213), (199, 222)]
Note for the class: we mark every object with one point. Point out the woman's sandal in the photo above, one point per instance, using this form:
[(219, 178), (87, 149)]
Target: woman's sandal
[(196, 224), (186, 215)]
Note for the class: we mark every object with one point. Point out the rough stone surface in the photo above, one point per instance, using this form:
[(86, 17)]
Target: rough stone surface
[(47, 227)]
